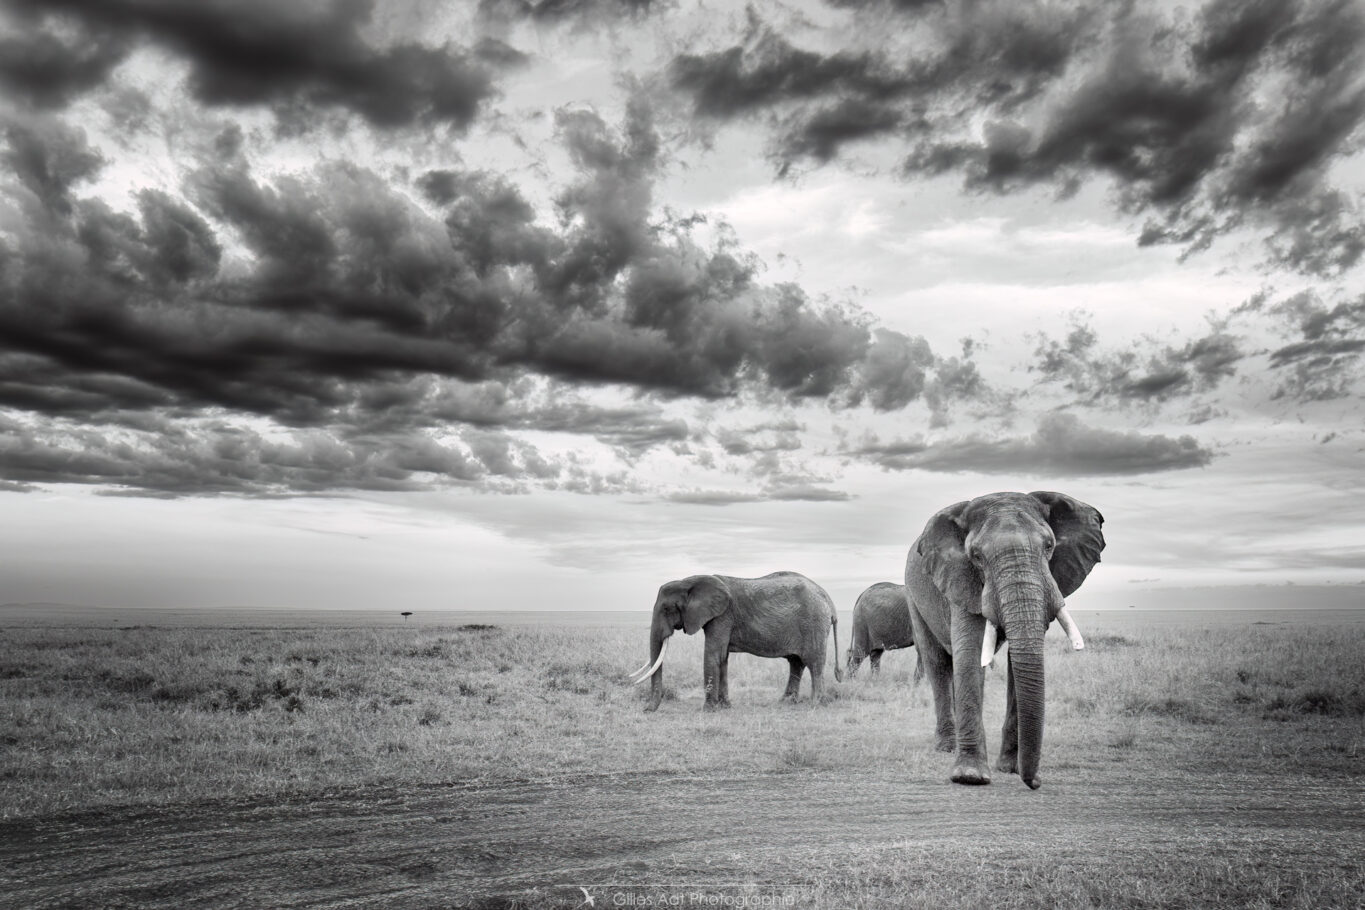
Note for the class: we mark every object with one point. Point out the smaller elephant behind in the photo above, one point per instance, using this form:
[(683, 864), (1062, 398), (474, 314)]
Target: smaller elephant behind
[(784, 614), (881, 622)]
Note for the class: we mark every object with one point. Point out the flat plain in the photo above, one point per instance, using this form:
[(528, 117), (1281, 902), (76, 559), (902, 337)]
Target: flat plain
[(168, 759)]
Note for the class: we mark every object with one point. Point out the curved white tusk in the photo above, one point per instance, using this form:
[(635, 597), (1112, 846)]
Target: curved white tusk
[(988, 644), (648, 672), (1073, 633), (646, 668)]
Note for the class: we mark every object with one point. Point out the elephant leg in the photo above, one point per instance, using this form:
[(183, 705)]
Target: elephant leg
[(723, 678), (939, 666), (716, 652), (968, 681), (816, 665), (1008, 762), (794, 680), (875, 659)]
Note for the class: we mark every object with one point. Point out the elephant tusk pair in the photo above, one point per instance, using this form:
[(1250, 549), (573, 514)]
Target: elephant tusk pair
[(645, 672), (988, 638)]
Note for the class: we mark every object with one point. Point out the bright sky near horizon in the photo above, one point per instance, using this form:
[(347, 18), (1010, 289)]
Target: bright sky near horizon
[(537, 305)]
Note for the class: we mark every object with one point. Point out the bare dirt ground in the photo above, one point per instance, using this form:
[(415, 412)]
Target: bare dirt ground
[(620, 837)]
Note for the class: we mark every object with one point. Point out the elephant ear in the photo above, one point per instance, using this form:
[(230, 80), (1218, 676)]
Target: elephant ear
[(1080, 538), (707, 598), (944, 557)]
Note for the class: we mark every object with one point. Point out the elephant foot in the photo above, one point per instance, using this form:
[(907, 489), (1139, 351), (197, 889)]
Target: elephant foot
[(712, 705), (945, 743), (971, 771), (651, 707), (1007, 764), (1034, 782)]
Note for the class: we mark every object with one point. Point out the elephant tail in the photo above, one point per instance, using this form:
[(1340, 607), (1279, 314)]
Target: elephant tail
[(838, 673), (919, 669)]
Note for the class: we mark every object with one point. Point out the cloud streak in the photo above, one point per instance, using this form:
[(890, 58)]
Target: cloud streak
[(175, 458), (1061, 446)]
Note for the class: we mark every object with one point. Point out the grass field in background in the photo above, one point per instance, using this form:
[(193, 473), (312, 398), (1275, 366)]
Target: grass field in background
[(143, 715)]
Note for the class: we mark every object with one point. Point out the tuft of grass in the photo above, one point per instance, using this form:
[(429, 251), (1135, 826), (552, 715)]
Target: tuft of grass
[(1318, 701), (800, 757), (1108, 641), (579, 679), (1178, 708), (1125, 739)]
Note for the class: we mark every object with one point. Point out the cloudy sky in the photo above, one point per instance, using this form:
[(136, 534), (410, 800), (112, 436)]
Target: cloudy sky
[(535, 305)]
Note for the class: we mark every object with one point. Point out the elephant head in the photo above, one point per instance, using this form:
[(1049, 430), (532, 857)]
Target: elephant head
[(687, 604), (1012, 558)]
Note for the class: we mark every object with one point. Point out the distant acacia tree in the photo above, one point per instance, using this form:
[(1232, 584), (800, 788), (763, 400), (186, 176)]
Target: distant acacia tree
[(405, 614)]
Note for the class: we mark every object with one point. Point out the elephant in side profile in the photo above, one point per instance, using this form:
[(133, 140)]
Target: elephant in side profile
[(881, 622), (999, 563), (779, 615)]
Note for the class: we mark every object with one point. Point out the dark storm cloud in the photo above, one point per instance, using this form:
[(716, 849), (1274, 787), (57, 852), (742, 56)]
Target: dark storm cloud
[(1062, 445), (1326, 362), (288, 56), (1319, 354), (347, 304), (47, 158), (993, 54), (49, 69), (766, 71), (1130, 374), (634, 430), (895, 370), (897, 455), (821, 134), (1227, 118)]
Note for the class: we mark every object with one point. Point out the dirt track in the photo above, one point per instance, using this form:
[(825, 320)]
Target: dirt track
[(452, 846)]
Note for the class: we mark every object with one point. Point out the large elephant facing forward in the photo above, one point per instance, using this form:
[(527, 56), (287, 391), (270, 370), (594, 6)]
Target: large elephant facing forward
[(999, 563), (779, 615), (881, 622)]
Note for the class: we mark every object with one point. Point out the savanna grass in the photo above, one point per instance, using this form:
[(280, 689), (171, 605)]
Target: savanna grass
[(93, 717)]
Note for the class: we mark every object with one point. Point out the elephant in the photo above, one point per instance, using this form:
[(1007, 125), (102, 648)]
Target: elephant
[(881, 622), (784, 614), (1000, 563)]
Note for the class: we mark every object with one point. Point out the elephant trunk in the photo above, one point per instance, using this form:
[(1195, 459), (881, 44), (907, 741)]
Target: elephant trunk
[(1026, 666), (658, 646), (1024, 596)]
